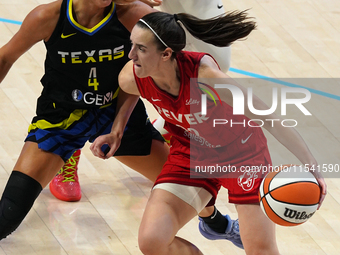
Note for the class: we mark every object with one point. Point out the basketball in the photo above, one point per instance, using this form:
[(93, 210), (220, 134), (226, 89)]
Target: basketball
[(289, 196)]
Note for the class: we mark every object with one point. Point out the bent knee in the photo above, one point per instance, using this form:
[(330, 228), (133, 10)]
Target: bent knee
[(152, 244)]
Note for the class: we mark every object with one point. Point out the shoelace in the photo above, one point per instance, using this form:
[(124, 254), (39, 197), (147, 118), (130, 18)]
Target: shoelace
[(236, 227), (233, 230), (69, 168)]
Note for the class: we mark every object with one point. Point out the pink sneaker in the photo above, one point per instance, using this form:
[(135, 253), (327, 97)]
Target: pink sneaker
[(65, 185)]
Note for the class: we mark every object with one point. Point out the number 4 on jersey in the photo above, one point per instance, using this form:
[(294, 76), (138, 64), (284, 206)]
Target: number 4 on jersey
[(93, 78)]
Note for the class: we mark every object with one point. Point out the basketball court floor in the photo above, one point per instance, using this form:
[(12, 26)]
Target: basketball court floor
[(296, 41)]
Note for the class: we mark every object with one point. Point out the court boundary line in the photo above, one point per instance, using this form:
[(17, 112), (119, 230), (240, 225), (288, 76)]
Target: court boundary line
[(11, 21), (285, 83)]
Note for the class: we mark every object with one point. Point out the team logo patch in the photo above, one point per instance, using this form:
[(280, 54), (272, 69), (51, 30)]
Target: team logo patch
[(77, 95), (247, 180)]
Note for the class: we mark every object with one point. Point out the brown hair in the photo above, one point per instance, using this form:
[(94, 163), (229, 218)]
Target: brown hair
[(220, 31)]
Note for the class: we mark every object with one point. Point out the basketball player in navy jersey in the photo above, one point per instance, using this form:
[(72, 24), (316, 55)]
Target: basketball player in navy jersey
[(87, 44), (160, 72), (65, 185)]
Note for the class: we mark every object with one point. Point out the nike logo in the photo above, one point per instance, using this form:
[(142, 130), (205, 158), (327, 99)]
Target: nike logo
[(66, 36), (214, 215), (244, 141), (219, 6), (155, 100)]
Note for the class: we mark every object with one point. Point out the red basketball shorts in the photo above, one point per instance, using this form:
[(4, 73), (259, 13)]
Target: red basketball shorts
[(238, 167)]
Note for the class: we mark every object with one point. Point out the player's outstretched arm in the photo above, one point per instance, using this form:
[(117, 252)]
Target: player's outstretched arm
[(152, 3), (37, 26), (129, 14)]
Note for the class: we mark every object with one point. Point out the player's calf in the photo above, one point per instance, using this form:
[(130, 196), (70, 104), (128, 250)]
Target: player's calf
[(17, 200)]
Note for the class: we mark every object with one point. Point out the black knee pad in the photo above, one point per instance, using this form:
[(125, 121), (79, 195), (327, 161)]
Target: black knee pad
[(17, 199)]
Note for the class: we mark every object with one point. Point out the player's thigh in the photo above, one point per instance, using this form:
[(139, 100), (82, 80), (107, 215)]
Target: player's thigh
[(256, 230), (38, 164), (164, 215)]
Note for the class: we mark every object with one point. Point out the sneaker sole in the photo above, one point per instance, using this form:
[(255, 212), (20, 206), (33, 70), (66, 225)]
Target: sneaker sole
[(212, 237), (62, 198)]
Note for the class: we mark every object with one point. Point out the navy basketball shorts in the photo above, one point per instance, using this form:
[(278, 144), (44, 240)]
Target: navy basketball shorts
[(65, 137)]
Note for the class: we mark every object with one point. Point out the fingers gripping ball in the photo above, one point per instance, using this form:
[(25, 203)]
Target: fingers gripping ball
[(289, 196)]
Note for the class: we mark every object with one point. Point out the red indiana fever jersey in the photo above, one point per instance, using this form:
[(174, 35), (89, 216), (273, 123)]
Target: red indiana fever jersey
[(196, 143), (182, 114)]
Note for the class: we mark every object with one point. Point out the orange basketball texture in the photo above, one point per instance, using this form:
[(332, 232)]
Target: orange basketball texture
[(290, 196)]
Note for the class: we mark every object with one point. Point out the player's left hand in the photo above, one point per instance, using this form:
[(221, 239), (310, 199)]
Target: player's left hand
[(111, 140), (323, 186)]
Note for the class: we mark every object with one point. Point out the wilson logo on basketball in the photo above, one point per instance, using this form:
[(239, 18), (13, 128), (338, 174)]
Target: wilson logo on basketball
[(293, 214)]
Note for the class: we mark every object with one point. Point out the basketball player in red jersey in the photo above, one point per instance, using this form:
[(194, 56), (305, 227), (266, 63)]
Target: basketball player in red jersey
[(213, 224), (161, 72)]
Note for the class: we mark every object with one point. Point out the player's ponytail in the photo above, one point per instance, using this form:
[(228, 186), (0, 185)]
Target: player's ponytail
[(220, 31)]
